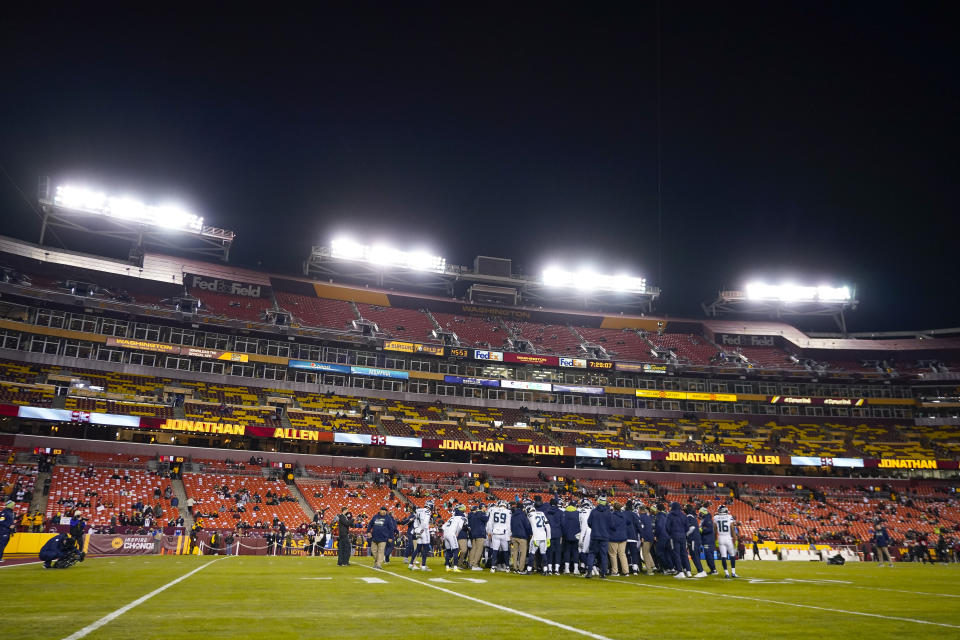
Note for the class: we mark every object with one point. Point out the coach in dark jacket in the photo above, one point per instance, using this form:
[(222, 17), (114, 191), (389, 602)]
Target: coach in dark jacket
[(600, 523), (646, 539), (662, 532), (617, 548), (520, 533), (632, 520), (477, 523), (708, 538), (382, 529), (570, 529), (677, 528), (344, 522)]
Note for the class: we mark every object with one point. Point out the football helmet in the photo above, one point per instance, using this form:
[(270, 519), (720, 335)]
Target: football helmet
[(722, 509)]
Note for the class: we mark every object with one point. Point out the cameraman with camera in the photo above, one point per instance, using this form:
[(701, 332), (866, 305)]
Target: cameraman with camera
[(62, 550)]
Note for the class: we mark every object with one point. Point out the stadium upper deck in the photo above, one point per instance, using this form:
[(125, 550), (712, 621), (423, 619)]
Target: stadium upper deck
[(173, 290), (89, 335)]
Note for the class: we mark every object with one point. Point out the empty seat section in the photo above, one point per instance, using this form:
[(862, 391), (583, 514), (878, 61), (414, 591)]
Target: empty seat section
[(475, 332), (317, 312), (406, 324)]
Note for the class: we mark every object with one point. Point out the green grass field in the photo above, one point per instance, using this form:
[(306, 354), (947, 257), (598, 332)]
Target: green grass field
[(299, 597)]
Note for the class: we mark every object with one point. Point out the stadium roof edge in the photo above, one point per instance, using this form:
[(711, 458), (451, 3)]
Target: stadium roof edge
[(80, 260)]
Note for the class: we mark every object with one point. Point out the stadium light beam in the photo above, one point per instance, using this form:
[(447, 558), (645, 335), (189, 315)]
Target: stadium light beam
[(345, 248), (168, 216), (588, 280), (790, 292)]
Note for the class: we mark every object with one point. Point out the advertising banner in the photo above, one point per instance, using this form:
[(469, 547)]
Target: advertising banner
[(481, 382), (66, 415), (579, 363), (380, 373), (572, 388), (199, 426), (529, 358), (214, 354), (120, 545), (228, 287), (311, 435), (143, 345), (352, 438), (887, 463), (173, 349), (520, 384), (318, 366), (493, 356), (413, 347), (686, 395), (497, 447), (827, 402)]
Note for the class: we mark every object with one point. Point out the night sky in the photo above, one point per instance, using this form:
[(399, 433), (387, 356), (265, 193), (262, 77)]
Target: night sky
[(813, 140)]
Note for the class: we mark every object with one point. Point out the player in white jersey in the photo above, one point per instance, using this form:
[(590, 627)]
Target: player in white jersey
[(539, 540), (585, 508), (726, 530), (498, 531), (421, 535), (451, 547)]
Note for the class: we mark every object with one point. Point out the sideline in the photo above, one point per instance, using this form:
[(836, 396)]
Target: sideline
[(517, 612), (113, 615), (790, 604)]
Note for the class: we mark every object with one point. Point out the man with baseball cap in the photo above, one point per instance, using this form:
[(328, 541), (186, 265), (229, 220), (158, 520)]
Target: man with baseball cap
[(382, 528)]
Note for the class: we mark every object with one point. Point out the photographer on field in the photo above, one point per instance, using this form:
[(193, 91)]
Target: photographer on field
[(62, 551)]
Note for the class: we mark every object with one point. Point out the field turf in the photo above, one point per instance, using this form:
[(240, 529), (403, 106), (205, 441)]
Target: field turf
[(301, 597)]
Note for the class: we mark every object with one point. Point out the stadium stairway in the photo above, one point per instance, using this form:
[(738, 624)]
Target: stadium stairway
[(402, 498), (432, 319), (181, 492), (295, 492), (39, 502), (59, 402), (179, 412), (579, 335), (285, 421)]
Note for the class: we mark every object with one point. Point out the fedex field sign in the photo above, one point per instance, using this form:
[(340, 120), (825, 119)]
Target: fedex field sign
[(226, 286)]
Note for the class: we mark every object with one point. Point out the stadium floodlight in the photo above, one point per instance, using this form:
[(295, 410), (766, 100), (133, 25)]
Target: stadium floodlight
[(345, 248), (168, 216), (790, 292), (588, 280)]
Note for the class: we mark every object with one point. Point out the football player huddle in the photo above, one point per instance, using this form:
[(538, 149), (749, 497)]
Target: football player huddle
[(580, 538)]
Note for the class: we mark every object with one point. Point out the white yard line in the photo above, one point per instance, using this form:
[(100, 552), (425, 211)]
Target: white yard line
[(917, 593), (18, 564), (113, 615), (791, 604), (517, 612)]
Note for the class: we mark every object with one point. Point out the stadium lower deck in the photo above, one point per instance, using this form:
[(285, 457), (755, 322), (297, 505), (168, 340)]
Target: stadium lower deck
[(113, 492)]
